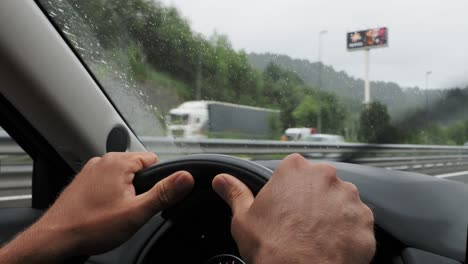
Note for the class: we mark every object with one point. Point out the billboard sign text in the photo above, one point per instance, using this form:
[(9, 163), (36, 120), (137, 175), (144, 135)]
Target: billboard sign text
[(365, 39)]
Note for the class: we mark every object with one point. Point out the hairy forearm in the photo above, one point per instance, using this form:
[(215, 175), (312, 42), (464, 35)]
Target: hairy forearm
[(40, 243)]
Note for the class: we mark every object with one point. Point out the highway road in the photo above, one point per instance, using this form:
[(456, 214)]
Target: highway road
[(15, 185)]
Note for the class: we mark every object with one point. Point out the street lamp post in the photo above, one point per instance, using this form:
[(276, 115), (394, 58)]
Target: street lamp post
[(427, 102), (426, 89), (198, 80), (366, 77), (319, 111)]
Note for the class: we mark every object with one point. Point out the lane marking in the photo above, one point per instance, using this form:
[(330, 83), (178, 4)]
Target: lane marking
[(15, 197), (454, 174), (397, 168)]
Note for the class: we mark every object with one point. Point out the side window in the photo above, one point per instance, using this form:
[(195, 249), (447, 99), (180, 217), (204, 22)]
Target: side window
[(15, 173)]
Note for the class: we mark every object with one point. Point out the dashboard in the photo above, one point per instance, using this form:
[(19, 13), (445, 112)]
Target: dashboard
[(419, 220)]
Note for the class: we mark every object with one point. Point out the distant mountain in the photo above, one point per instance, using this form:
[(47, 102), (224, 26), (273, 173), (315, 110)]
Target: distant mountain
[(398, 100)]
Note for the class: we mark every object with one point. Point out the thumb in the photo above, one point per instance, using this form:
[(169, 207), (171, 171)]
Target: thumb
[(167, 192), (234, 192)]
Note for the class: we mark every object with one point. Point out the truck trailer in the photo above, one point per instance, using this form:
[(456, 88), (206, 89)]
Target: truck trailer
[(212, 119)]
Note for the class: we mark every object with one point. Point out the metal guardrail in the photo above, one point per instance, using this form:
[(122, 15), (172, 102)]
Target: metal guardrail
[(15, 166), (166, 146)]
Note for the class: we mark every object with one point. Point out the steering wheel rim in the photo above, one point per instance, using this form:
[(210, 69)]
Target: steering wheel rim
[(204, 167)]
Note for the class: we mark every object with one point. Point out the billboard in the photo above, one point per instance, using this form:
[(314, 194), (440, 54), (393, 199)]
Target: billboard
[(366, 39)]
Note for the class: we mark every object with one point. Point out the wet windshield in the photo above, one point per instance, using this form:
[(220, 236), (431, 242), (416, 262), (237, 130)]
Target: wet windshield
[(178, 119), (339, 74)]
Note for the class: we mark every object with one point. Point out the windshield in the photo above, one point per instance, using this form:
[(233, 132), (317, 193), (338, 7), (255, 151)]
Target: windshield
[(178, 119), (392, 74)]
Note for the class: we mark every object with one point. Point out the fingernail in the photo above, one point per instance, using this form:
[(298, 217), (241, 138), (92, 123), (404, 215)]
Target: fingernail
[(220, 185)]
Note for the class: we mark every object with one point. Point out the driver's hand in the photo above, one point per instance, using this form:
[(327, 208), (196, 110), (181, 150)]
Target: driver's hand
[(99, 209), (304, 214)]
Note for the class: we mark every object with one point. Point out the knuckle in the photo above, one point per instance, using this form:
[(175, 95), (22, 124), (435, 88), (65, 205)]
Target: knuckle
[(235, 193), (156, 157), (94, 160), (91, 162), (296, 159), (352, 189), (368, 244), (369, 215), (134, 163), (109, 156), (113, 159), (363, 244), (162, 195), (327, 171)]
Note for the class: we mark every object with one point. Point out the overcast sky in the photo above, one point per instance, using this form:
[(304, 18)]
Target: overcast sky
[(423, 34)]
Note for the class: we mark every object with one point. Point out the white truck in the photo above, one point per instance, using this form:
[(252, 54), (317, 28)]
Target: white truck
[(203, 119)]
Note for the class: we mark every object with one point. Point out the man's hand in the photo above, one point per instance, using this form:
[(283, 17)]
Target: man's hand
[(304, 214), (97, 211)]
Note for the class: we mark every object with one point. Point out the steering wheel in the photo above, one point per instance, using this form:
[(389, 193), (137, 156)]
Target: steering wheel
[(202, 200), (204, 167)]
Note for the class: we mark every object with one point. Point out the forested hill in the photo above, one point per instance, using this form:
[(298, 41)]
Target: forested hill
[(398, 100)]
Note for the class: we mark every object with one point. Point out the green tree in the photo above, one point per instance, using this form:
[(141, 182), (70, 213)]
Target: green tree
[(305, 113), (438, 135), (374, 125), (458, 133), (333, 113), (284, 90)]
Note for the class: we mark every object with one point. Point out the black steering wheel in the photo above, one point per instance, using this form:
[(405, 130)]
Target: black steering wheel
[(204, 167), (203, 200)]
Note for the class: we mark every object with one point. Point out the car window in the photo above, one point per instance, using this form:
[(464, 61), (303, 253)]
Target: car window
[(392, 74), (15, 174), (179, 119)]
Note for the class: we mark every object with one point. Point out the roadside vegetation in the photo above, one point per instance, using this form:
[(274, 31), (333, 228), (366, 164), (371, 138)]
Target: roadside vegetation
[(170, 64)]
